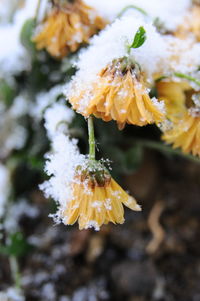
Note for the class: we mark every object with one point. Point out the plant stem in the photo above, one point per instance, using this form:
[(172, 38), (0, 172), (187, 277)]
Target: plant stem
[(91, 138), (37, 11), (188, 77), (15, 271), (133, 7)]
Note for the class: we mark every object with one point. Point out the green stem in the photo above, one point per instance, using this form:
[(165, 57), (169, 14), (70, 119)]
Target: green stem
[(180, 75), (91, 138), (129, 7), (37, 11), (166, 149), (15, 271), (188, 77)]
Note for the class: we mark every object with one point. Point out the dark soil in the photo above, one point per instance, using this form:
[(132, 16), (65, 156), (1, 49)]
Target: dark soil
[(121, 263)]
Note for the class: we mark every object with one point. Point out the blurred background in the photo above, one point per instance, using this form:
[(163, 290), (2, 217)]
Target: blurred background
[(154, 255)]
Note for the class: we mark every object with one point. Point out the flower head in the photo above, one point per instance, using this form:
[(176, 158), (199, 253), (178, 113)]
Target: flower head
[(83, 188), (67, 27), (185, 134), (97, 198), (174, 96), (183, 113), (119, 94)]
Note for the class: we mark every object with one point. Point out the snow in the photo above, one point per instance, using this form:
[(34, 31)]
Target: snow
[(44, 100), (164, 10), (13, 56), (15, 211), (4, 188), (61, 165), (13, 134), (57, 118)]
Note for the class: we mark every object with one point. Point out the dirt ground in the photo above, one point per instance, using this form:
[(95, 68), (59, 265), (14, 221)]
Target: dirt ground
[(154, 255)]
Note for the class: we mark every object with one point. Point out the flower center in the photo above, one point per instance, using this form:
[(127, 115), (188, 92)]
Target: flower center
[(93, 175), (120, 67)]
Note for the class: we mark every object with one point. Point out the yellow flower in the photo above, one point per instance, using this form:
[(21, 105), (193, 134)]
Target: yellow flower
[(185, 134), (183, 112), (119, 94), (97, 200), (67, 27), (191, 24), (174, 96)]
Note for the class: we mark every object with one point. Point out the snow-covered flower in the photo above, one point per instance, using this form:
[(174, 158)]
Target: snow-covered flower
[(84, 190), (185, 133), (120, 94), (66, 27), (183, 111), (97, 199), (174, 96), (113, 80)]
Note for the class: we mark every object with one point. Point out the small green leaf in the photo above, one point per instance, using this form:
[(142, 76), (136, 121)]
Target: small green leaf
[(36, 163), (139, 39), (17, 245), (7, 92), (26, 35)]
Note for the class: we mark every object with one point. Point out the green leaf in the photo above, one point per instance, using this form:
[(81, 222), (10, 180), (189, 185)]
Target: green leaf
[(26, 36), (133, 159), (139, 39), (17, 246), (7, 92)]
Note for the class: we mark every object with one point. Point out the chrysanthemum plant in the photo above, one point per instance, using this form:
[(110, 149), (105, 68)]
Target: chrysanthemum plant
[(133, 73)]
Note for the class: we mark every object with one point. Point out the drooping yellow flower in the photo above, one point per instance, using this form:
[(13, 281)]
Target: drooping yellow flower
[(183, 112), (191, 24), (174, 95), (185, 134), (119, 94), (97, 200), (67, 27)]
